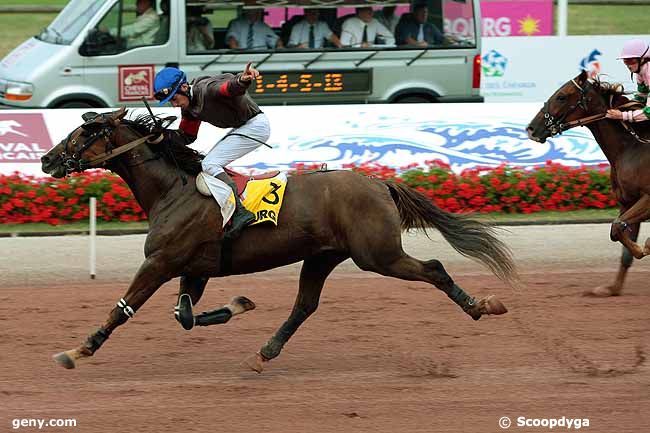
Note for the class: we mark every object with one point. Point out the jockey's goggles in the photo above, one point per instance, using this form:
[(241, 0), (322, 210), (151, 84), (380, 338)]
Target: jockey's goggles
[(166, 93)]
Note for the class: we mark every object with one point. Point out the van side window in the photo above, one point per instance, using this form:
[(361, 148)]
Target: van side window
[(129, 24)]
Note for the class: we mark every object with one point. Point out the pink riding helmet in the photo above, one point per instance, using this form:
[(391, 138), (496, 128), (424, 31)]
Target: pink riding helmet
[(634, 49)]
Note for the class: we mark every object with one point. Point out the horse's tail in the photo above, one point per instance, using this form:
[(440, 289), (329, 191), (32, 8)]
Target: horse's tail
[(469, 237)]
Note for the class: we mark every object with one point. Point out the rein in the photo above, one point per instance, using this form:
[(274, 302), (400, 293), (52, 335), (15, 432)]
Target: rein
[(557, 126)]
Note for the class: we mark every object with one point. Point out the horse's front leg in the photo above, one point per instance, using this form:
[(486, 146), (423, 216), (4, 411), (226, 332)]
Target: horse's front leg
[(152, 274), (189, 294), (621, 227)]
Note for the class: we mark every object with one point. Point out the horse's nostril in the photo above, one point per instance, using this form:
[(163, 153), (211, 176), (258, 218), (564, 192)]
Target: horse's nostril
[(45, 159)]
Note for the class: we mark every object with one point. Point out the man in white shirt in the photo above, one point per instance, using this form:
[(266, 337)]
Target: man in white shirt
[(143, 30), (311, 33), (251, 32), (362, 30)]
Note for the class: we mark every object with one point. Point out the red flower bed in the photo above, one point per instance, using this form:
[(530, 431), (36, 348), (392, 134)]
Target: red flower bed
[(26, 199)]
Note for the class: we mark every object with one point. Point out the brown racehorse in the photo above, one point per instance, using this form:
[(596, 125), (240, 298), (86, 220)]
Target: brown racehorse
[(327, 217), (584, 102)]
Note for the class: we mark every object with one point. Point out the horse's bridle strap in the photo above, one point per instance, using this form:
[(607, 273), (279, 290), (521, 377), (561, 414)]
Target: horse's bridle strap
[(100, 159)]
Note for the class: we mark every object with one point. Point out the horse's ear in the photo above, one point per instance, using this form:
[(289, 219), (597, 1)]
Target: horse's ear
[(119, 114), (582, 78), (89, 116)]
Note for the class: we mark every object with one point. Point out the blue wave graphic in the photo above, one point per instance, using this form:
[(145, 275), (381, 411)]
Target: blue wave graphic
[(399, 142)]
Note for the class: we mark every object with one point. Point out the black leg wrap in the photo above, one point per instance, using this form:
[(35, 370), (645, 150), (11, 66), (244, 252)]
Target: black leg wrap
[(627, 258), (271, 349), (94, 341), (183, 312), (214, 317), (461, 298)]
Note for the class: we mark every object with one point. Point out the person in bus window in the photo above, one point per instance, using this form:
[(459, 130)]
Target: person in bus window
[(387, 17), (312, 33), (636, 56), (363, 30), (199, 30), (251, 32), (143, 30), (415, 30)]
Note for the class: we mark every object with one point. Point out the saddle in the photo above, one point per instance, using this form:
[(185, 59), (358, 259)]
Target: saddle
[(241, 179)]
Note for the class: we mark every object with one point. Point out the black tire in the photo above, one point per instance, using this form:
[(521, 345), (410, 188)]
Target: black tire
[(413, 99), (76, 104)]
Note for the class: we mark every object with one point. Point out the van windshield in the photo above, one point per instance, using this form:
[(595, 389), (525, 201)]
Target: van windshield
[(70, 22)]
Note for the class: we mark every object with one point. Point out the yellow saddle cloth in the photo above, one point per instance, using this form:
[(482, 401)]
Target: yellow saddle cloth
[(264, 198)]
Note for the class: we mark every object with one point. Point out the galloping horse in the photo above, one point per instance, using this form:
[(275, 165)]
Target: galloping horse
[(326, 217), (584, 102)]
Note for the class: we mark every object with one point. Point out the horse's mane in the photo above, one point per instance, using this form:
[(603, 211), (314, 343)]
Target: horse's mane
[(618, 95), (614, 90), (187, 158)]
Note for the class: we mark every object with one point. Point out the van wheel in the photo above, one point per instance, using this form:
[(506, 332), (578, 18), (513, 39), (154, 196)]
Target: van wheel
[(75, 104), (413, 99)]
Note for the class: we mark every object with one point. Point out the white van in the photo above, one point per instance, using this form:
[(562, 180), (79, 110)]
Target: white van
[(105, 53)]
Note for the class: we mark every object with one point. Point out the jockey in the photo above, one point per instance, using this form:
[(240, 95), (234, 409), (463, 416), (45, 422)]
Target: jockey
[(636, 56), (222, 101)]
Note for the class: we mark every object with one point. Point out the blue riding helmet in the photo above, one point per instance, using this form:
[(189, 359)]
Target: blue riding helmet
[(167, 83)]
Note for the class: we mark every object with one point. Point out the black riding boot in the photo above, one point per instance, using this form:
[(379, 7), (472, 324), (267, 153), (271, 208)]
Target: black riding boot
[(242, 216)]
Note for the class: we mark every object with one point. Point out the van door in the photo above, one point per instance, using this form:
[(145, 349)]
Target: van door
[(124, 50)]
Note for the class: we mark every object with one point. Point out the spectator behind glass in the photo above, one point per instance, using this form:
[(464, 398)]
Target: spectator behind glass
[(363, 29), (387, 17), (143, 30), (199, 30), (416, 31), (251, 32), (311, 33)]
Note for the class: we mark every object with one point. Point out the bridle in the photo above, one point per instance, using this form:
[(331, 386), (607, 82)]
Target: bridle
[(72, 151), (556, 125)]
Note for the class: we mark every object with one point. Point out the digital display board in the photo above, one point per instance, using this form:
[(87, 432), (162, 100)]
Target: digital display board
[(309, 82)]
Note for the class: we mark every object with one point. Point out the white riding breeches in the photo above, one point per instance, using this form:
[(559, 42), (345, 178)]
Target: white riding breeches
[(232, 147)]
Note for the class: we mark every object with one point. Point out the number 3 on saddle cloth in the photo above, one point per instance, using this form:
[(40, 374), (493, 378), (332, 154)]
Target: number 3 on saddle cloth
[(261, 194)]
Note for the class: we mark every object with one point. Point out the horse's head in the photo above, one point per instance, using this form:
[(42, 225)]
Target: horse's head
[(84, 145), (575, 100)]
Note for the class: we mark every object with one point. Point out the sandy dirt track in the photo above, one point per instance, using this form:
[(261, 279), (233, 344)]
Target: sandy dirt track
[(380, 354)]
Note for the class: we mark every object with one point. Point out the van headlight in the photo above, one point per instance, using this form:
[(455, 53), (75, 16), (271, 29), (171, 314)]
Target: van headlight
[(15, 90)]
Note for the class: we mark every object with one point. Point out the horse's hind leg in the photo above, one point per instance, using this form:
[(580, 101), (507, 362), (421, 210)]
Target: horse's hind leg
[(315, 271), (189, 294), (405, 267)]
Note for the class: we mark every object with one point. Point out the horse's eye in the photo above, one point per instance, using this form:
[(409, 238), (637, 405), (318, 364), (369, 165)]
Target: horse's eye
[(561, 98)]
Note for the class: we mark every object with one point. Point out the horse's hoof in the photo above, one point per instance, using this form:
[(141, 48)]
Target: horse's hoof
[(494, 307), (646, 247), (241, 304), (603, 292), (64, 360), (255, 363), (490, 305), (183, 312)]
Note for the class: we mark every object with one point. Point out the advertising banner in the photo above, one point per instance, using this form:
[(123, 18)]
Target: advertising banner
[(517, 18), (462, 135), (23, 138), (530, 69)]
